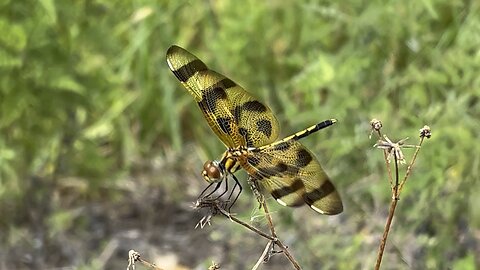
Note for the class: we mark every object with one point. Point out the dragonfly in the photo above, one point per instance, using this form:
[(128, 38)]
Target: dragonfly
[(248, 128)]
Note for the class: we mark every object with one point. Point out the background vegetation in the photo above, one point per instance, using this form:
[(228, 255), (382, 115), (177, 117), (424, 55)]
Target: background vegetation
[(101, 147)]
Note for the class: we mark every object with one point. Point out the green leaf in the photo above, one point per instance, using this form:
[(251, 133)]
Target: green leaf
[(12, 36), (49, 6), (465, 263), (9, 61)]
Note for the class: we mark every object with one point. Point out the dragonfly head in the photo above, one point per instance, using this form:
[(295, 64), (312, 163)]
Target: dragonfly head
[(213, 171)]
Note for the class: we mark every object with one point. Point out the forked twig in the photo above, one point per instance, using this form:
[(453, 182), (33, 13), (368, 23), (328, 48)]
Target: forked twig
[(265, 255), (246, 225), (410, 166), (215, 207), (394, 149), (388, 224), (277, 241), (376, 126)]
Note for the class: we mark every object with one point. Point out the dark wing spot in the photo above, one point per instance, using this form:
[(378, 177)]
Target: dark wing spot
[(319, 193), (214, 93), (265, 127), (224, 84), (281, 167), (237, 112), (249, 106), (227, 83), (186, 71), (244, 133), (296, 185), (254, 106), (268, 171), (283, 146), (224, 124), (292, 170), (276, 170), (211, 97), (221, 85), (303, 158)]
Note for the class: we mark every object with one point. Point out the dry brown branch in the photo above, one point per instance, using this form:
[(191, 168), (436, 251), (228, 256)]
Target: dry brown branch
[(216, 207), (265, 255), (394, 149)]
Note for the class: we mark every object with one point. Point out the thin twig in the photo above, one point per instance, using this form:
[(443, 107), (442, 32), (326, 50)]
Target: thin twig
[(248, 226), (391, 213), (277, 241), (269, 218), (273, 238), (215, 207), (397, 188), (264, 255), (134, 256), (387, 163), (376, 126), (396, 195), (410, 166)]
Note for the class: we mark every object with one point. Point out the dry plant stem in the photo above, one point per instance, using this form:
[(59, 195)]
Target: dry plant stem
[(149, 265), (391, 212), (269, 218), (410, 166), (248, 226), (264, 254), (385, 156), (134, 257), (273, 238), (397, 189), (395, 195), (277, 241)]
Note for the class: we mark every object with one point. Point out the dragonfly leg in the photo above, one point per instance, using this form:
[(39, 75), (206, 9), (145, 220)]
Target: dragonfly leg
[(237, 183), (207, 188)]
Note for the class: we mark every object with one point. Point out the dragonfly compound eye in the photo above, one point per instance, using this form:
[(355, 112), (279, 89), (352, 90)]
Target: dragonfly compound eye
[(212, 172)]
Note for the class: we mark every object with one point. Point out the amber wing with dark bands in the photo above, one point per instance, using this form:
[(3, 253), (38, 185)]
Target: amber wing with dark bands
[(235, 116), (294, 177)]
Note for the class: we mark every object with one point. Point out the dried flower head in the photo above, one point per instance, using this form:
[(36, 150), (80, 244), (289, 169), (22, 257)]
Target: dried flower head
[(375, 125), (425, 132), (133, 257), (214, 266), (211, 206), (394, 148)]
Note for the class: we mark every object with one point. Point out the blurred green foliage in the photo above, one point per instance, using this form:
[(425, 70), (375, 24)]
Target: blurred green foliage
[(87, 101)]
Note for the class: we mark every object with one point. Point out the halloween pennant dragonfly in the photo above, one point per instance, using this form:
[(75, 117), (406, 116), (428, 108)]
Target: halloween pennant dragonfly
[(249, 130)]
